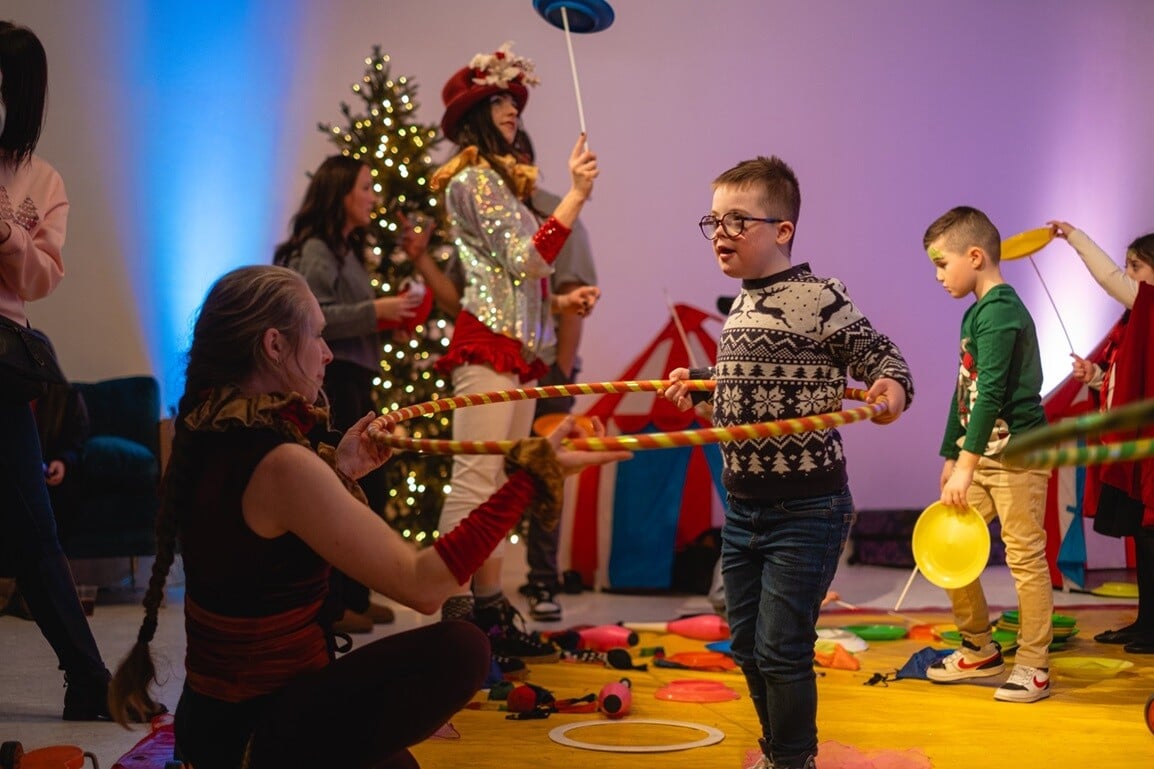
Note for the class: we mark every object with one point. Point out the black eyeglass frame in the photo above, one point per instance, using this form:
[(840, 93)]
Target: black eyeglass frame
[(714, 223)]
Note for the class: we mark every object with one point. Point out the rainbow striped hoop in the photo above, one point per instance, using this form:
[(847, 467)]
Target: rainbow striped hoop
[(1103, 454), (1039, 448), (696, 437)]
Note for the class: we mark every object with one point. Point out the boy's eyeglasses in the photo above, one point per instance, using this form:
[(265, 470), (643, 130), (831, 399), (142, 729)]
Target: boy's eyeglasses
[(732, 224)]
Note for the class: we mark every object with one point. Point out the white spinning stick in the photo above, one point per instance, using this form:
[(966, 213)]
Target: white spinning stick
[(573, 67), (906, 589)]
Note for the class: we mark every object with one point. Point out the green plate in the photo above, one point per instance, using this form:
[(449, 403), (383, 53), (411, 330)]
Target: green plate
[(1005, 638), (1058, 620), (878, 632)]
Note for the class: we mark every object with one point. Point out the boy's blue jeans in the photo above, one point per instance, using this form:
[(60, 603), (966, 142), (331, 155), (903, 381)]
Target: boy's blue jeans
[(778, 560)]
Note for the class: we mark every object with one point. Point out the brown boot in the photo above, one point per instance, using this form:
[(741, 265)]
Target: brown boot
[(7, 587), (380, 614), (353, 622), (11, 601)]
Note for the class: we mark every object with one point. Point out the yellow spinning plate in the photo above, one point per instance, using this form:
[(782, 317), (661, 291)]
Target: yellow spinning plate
[(1026, 243), (951, 546)]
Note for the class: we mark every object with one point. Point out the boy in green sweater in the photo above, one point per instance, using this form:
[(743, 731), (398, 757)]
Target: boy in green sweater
[(998, 397)]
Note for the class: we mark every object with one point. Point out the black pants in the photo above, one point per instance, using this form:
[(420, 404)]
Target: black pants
[(350, 391), (30, 549), (1120, 515), (541, 546), (363, 711)]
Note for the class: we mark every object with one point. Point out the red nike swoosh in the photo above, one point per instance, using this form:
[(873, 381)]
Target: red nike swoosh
[(1041, 684), (968, 665)]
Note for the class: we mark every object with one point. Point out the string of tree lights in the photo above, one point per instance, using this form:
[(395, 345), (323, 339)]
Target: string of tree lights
[(383, 131)]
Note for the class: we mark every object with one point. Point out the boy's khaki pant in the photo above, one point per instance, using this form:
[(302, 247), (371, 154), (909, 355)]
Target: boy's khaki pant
[(1018, 498)]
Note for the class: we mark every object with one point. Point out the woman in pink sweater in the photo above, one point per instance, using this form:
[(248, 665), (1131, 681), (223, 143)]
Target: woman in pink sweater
[(33, 219)]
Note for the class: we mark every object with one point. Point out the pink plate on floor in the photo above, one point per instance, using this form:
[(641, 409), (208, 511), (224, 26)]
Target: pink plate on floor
[(696, 690)]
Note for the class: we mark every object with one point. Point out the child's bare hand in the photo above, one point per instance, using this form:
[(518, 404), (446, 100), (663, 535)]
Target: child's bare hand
[(1082, 369), (582, 168), (1061, 229), (955, 488), (677, 393), (890, 391)]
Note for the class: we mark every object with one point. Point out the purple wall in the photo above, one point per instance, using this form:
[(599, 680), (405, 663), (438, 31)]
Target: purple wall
[(890, 112)]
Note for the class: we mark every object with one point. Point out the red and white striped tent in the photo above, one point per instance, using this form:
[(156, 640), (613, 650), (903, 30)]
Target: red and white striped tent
[(628, 519), (1072, 545)]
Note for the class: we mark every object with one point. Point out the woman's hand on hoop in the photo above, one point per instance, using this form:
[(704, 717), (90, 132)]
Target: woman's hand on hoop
[(357, 453), (573, 461)]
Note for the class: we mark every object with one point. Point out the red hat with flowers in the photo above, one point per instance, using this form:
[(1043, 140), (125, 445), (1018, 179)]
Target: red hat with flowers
[(487, 74)]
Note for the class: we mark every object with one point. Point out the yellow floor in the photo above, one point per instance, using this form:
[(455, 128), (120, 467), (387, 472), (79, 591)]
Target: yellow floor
[(1085, 723)]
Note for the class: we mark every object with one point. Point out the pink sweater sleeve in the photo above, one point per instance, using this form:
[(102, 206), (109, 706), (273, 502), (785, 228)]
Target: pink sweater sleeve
[(33, 202)]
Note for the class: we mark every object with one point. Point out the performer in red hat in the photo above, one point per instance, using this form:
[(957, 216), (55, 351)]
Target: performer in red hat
[(506, 249)]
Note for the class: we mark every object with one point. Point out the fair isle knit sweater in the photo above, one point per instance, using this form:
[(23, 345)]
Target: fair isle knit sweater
[(785, 351)]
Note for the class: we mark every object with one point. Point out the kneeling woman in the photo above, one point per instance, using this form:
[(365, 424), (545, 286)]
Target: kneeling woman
[(260, 514)]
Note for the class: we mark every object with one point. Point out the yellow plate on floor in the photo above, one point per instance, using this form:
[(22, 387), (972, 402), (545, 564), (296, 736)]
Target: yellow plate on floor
[(1116, 590), (1089, 667), (951, 546), (1026, 243)]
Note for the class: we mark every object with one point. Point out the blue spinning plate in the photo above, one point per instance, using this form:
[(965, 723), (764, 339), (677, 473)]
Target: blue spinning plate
[(585, 16)]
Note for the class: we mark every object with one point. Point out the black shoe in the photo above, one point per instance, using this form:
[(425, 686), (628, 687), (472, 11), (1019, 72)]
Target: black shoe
[(508, 636), (86, 698), (543, 605), (1121, 636), (512, 669), (531, 587), (571, 582), (1143, 645)]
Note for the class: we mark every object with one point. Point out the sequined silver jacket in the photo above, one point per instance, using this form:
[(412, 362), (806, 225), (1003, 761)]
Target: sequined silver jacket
[(493, 232)]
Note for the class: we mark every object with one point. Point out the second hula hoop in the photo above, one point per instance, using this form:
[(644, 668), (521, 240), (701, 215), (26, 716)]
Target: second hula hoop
[(667, 440), (1132, 416)]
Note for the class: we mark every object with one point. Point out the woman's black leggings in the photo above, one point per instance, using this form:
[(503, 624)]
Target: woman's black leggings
[(361, 712)]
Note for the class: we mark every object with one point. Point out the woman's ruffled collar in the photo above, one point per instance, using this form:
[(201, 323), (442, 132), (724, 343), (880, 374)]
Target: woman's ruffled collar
[(227, 408), (523, 175)]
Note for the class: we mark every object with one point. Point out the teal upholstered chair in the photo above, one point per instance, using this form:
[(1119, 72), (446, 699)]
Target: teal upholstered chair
[(118, 496)]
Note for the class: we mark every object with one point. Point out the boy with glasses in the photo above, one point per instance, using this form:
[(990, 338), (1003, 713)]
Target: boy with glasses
[(785, 351)]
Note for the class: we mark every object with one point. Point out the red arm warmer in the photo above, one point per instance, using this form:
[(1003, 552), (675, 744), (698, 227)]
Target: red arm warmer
[(468, 545), (549, 238)]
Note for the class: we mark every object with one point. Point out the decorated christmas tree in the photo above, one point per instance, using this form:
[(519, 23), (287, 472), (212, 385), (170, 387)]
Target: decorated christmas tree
[(382, 130)]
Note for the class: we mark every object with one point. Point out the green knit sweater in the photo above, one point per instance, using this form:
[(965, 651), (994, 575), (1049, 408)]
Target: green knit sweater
[(998, 394)]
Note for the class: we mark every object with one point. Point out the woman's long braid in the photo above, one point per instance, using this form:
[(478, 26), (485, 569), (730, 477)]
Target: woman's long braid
[(130, 691), (226, 348)]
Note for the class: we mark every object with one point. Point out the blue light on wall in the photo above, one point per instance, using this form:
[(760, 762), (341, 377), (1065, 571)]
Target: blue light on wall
[(207, 86)]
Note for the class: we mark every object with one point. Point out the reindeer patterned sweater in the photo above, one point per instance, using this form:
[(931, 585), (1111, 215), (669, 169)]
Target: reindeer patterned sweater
[(785, 351)]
